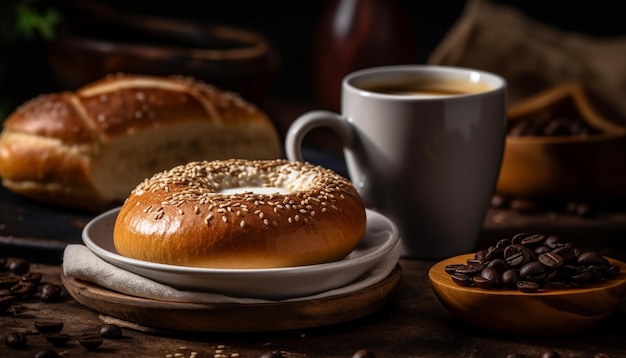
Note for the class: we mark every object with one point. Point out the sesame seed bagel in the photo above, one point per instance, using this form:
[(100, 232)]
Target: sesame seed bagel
[(241, 214)]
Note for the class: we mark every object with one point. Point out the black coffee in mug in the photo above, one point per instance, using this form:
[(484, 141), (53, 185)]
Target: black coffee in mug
[(426, 87)]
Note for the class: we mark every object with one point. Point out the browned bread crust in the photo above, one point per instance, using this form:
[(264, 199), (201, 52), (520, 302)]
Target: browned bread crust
[(241, 214), (89, 148)]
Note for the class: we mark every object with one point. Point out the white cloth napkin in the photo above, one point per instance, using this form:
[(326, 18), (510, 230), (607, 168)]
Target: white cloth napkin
[(81, 263)]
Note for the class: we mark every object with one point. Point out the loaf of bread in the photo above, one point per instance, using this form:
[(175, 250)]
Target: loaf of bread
[(89, 148)]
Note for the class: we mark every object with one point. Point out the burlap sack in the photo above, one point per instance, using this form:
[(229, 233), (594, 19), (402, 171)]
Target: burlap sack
[(533, 56)]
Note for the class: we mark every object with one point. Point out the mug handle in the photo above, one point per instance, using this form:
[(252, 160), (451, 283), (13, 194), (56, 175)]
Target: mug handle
[(311, 120), (342, 126)]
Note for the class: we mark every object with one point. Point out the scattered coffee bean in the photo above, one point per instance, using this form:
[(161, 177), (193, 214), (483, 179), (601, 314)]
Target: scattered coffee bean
[(364, 353), (272, 354), (18, 266), (50, 292), (16, 340), (47, 353), (8, 281), (90, 341), (530, 263), (110, 331), (550, 354), (49, 326), (34, 277), (601, 355), (57, 339), (23, 289)]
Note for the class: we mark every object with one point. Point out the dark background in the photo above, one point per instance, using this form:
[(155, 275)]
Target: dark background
[(290, 26)]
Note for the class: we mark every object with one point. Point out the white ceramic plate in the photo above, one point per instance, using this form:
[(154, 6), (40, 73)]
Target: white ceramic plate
[(276, 283)]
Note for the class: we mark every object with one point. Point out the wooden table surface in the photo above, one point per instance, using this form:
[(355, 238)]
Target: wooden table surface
[(412, 323)]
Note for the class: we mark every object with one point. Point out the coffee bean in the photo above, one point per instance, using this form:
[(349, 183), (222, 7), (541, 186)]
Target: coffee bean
[(23, 289), (272, 354), (475, 263), (16, 340), (482, 282), (510, 278), (533, 240), (602, 355), (498, 264), (494, 252), (542, 249), (50, 292), (8, 281), (517, 238), (551, 260), (33, 277), (527, 286), (110, 331), (47, 353), (480, 255), (451, 269), (18, 266), (49, 326), (461, 279), (550, 354), (491, 274), (533, 271), (364, 353), (591, 258), (503, 243), (467, 270), (90, 341), (515, 259), (57, 339), (568, 253)]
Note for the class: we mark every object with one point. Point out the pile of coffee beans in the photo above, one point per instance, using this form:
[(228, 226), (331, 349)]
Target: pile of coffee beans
[(531, 263), (18, 282), (552, 121)]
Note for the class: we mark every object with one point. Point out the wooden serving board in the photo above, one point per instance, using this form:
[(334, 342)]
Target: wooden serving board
[(233, 317)]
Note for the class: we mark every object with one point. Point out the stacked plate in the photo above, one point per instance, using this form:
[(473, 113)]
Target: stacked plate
[(378, 250)]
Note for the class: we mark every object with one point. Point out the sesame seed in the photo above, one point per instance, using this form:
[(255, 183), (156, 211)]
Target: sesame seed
[(311, 189)]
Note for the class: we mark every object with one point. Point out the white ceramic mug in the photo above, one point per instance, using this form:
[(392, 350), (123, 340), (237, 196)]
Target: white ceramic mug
[(417, 151)]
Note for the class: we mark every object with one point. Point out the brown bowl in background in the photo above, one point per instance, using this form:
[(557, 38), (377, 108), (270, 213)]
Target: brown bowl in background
[(590, 168), (231, 58)]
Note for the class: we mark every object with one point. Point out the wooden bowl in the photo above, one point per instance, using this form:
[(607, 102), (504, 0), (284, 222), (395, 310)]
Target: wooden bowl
[(545, 313), (589, 168), (231, 58)]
